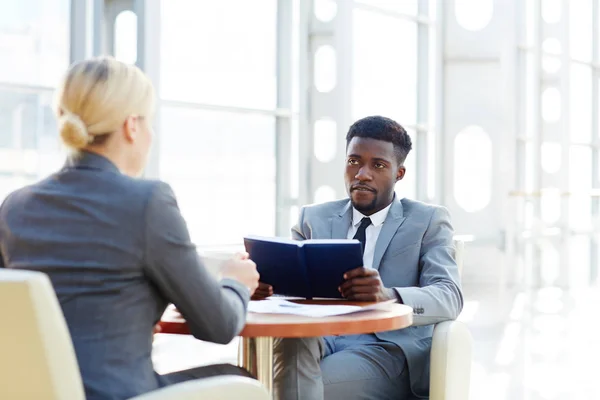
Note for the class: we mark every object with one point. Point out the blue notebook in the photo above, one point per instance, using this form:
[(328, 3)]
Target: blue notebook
[(309, 268)]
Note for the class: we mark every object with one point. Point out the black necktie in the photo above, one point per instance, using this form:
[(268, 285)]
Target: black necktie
[(361, 234)]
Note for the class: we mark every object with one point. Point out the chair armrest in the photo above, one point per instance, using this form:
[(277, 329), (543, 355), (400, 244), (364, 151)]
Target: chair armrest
[(215, 388), (451, 350)]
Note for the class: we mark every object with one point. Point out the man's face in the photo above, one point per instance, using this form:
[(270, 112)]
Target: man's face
[(372, 171)]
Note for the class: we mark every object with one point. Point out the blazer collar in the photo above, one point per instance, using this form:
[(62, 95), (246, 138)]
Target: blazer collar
[(88, 160), (341, 222), (392, 223)]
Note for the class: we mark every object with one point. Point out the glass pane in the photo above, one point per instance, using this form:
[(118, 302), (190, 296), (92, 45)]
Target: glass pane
[(580, 170), (325, 140), (472, 168), (580, 184), (433, 98), (531, 167), (431, 164), (580, 15), (29, 145), (34, 41), (530, 21), (551, 153), (221, 52), (550, 205), (385, 62), (531, 96), (222, 169), (295, 55), (295, 159), (550, 263), (433, 10), (405, 6), (580, 120), (579, 261)]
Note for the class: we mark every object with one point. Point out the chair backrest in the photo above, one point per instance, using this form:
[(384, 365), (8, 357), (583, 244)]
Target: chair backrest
[(458, 257), (37, 357)]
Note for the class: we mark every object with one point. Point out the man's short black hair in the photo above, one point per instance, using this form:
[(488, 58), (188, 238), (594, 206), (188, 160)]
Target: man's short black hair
[(382, 128)]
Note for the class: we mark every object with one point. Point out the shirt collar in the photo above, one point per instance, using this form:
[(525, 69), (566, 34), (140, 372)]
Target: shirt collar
[(376, 219)]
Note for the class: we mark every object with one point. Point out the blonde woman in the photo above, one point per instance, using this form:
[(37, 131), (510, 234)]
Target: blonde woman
[(115, 246)]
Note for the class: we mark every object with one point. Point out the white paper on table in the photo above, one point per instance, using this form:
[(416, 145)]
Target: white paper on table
[(280, 306)]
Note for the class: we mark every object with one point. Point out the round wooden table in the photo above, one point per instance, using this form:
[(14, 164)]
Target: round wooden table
[(256, 350)]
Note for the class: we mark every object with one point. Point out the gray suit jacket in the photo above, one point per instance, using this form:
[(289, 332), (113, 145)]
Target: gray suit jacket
[(415, 255), (117, 251)]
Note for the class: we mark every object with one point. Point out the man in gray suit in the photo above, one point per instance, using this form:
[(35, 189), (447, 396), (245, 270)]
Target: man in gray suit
[(408, 256)]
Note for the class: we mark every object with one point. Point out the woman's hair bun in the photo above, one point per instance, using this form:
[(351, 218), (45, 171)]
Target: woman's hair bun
[(73, 131)]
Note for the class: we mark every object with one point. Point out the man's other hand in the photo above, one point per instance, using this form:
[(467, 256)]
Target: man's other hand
[(364, 284), (263, 291)]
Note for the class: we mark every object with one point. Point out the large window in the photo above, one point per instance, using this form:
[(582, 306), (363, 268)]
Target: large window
[(394, 58), (218, 124), (34, 47), (558, 139)]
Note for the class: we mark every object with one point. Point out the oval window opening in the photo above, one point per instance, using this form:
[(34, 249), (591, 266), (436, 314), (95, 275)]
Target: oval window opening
[(325, 10), (472, 169), (474, 15), (324, 194), (551, 11), (325, 142), (325, 73), (126, 37)]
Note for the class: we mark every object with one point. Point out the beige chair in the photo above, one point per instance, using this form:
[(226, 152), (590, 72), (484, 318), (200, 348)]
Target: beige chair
[(38, 361), (451, 354)]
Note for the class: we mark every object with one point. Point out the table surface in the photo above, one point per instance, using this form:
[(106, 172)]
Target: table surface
[(396, 316)]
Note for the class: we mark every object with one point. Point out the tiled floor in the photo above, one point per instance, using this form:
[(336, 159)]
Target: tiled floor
[(542, 345)]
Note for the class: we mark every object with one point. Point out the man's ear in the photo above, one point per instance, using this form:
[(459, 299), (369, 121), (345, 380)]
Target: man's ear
[(400, 173)]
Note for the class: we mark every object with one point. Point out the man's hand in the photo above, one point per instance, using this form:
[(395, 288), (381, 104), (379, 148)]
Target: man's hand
[(364, 284), (263, 291)]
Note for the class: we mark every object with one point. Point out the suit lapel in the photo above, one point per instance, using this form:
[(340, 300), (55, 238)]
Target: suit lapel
[(340, 223), (394, 219)]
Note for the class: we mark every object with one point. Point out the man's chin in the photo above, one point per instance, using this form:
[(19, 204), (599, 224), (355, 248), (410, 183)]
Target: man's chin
[(362, 206)]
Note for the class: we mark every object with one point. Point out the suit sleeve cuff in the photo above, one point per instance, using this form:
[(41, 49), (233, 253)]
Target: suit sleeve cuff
[(239, 289), (406, 294)]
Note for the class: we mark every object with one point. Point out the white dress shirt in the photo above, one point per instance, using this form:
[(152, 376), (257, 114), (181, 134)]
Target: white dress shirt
[(372, 232)]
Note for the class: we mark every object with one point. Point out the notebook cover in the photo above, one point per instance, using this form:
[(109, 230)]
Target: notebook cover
[(310, 268), (278, 263), (327, 261)]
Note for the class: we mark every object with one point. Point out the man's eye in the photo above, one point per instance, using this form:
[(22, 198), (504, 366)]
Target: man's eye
[(352, 162), (379, 165)]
